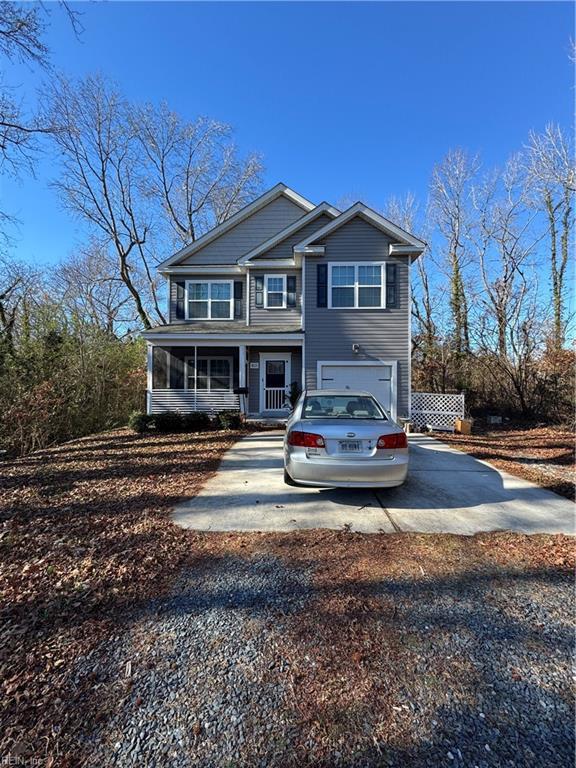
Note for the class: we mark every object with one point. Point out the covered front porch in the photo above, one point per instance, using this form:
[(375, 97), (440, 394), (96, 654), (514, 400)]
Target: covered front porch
[(254, 378)]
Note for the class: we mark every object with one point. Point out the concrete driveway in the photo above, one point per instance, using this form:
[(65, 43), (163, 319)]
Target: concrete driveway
[(446, 492)]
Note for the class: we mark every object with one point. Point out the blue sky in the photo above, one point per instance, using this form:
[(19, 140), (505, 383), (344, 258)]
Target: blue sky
[(341, 99)]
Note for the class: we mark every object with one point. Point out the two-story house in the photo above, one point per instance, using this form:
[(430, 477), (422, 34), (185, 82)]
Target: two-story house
[(285, 291)]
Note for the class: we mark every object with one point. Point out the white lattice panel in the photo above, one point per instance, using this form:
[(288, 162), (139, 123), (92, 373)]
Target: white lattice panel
[(436, 409)]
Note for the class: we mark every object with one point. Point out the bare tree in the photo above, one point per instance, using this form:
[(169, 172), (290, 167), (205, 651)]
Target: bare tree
[(504, 237), (513, 380), (425, 347), (450, 211), (142, 178), (16, 281), (9, 301), (99, 179), (22, 27), (552, 158), (551, 179), (194, 171), (21, 30), (89, 288)]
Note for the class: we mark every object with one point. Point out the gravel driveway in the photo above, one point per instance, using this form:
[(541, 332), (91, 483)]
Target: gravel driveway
[(255, 661)]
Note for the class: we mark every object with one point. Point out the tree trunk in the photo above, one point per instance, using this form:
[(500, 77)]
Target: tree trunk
[(556, 288), (564, 241)]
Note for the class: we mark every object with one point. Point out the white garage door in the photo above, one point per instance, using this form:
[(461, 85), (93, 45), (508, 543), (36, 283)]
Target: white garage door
[(376, 379)]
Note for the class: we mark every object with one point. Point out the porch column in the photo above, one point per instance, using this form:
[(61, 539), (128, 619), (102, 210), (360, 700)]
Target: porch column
[(242, 374), (242, 365), (149, 362)]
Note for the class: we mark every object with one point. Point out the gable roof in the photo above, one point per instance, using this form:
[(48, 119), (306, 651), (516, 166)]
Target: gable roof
[(280, 190), (323, 208), (414, 245)]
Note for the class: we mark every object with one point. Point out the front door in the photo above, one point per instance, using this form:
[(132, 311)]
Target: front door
[(274, 378)]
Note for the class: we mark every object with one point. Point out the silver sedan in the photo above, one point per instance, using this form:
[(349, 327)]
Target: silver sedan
[(344, 439)]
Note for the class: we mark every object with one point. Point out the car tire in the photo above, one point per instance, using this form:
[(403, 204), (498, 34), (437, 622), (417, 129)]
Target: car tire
[(287, 479)]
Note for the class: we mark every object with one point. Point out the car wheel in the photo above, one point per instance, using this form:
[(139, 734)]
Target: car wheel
[(287, 479)]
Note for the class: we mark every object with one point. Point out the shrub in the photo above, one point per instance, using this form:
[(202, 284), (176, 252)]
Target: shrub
[(294, 393), (197, 421), (229, 419), (169, 421), (140, 422)]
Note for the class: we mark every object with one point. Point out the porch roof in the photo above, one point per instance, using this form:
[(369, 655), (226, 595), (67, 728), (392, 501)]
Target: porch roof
[(231, 331), (222, 327)]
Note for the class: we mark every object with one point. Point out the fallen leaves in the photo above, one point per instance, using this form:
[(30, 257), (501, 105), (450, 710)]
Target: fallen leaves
[(84, 537)]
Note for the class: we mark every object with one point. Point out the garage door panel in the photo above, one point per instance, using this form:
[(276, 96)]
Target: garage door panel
[(376, 379)]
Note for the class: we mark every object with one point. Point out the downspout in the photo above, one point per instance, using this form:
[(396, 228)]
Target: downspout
[(303, 319), (195, 378), (247, 295)]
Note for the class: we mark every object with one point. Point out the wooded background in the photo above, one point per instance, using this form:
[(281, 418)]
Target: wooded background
[(492, 294)]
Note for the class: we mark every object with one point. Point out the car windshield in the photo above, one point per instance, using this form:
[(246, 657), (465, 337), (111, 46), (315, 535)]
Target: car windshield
[(342, 407)]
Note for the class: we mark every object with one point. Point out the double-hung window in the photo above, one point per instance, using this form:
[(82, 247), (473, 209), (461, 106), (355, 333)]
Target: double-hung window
[(356, 286), (210, 300), (211, 374), (275, 291)]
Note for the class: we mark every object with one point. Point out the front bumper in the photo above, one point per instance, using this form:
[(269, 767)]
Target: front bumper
[(339, 473)]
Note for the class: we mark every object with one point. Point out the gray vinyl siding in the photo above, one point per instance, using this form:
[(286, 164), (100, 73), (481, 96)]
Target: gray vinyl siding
[(383, 334), (246, 235), (284, 249), (260, 316), (263, 316), (253, 356), (182, 278)]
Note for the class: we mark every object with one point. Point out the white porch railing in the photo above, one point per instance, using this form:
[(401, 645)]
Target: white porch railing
[(274, 398), (436, 409), (187, 400)]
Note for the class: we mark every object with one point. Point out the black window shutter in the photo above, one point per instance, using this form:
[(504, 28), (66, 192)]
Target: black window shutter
[(180, 298), (259, 290), (391, 286), (291, 291), (238, 298), (322, 285)]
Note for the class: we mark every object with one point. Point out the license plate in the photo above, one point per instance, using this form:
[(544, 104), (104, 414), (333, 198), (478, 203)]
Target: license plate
[(350, 446)]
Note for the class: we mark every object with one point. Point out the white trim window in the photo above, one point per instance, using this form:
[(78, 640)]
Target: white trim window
[(212, 374), (275, 291), (209, 299), (357, 285)]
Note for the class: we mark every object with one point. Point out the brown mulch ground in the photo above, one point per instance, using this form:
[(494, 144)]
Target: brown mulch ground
[(543, 455), (85, 542), (84, 537)]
